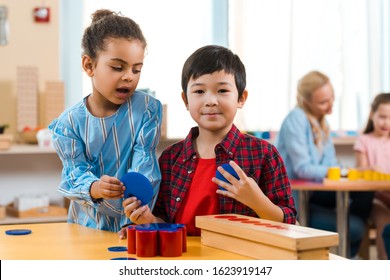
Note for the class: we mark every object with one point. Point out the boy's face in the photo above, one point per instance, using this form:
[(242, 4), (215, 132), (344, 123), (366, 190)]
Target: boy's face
[(212, 101)]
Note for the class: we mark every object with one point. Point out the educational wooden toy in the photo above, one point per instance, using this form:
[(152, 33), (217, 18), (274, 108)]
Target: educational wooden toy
[(5, 141), (27, 97), (263, 239), (355, 176), (158, 239), (54, 101)]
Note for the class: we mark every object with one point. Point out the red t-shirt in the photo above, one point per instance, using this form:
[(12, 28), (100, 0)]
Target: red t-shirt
[(201, 198)]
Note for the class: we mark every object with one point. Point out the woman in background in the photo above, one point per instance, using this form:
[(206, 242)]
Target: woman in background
[(372, 150), (306, 147)]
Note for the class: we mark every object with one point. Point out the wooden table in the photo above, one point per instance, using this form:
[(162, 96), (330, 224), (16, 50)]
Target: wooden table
[(342, 189), (62, 241)]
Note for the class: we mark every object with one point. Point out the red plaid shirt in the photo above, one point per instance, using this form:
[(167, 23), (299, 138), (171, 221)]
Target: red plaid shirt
[(258, 158)]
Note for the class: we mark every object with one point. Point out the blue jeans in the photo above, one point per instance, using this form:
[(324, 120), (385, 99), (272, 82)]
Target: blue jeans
[(386, 239), (322, 215)]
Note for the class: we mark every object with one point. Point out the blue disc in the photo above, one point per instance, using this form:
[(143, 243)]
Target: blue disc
[(117, 249), (156, 226), (228, 169), (123, 258), (18, 231), (139, 186)]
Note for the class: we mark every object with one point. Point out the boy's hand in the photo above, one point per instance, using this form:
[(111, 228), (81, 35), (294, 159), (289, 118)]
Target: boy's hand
[(137, 214), (244, 190), (108, 188)]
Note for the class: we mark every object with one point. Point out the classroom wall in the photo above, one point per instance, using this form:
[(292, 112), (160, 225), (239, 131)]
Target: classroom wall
[(29, 44)]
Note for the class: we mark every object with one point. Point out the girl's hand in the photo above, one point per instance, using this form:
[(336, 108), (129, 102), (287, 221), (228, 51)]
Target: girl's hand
[(122, 233), (244, 190), (137, 214), (108, 188)]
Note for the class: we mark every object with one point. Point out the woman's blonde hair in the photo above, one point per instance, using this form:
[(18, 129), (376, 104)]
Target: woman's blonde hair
[(307, 85)]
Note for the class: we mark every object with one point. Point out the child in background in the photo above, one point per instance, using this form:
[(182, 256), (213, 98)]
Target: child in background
[(372, 150), (113, 130), (213, 84)]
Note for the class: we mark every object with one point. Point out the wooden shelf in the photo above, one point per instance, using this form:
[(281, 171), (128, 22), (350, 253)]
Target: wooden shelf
[(24, 149), (17, 159), (37, 220), (344, 141), (16, 149)]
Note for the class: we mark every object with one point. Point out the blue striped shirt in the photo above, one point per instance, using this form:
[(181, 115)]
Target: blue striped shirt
[(90, 147)]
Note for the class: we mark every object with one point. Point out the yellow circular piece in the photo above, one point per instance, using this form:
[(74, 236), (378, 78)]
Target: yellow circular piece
[(334, 173), (367, 175), (353, 174)]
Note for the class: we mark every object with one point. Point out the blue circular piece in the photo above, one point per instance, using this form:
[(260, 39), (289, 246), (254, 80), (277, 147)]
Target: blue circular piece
[(156, 226), (228, 169), (123, 258), (18, 231), (117, 249), (139, 186)]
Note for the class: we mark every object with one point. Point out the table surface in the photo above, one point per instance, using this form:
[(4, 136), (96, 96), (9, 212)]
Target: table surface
[(343, 187), (340, 185), (63, 241)]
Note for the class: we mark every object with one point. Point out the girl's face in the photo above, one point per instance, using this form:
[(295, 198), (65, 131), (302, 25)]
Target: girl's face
[(381, 120), (321, 102), (116, 72), (212, 101)]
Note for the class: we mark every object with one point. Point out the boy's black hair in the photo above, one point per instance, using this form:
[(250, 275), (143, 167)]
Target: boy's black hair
[(210, 59)]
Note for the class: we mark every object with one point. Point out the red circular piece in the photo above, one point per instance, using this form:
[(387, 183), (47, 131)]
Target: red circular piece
[(225, 217)]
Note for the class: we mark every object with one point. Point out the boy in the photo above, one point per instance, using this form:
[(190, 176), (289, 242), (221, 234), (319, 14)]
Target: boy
[(213, 83)]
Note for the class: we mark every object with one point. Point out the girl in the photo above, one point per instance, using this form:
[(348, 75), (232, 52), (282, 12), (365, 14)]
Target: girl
[(372, 150), (113, 130), (306, 147)]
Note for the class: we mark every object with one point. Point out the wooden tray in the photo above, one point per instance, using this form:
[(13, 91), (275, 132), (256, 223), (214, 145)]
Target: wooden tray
[(50, 211), (262, 239)]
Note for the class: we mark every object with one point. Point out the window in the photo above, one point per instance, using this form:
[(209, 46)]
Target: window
[(278, 40)]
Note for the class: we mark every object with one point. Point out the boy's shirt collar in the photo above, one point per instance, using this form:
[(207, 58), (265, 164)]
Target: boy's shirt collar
[(229, 144)]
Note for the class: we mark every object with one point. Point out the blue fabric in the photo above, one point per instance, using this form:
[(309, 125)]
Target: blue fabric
[(325, 218), (322, 215), (386, 239), (295, 143), (90, 147)]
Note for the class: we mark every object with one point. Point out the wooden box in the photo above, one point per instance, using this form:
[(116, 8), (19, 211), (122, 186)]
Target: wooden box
[(29, 137), (5, 141), (263, 239), (50, 211), (2, 212)]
